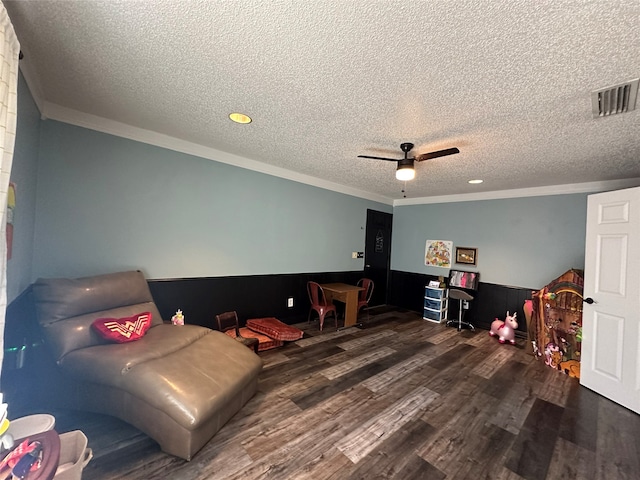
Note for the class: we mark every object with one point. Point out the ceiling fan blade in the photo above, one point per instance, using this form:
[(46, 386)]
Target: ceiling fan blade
[(379, 158), (439, 153)]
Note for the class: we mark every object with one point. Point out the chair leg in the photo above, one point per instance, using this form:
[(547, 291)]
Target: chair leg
[(366, 309)]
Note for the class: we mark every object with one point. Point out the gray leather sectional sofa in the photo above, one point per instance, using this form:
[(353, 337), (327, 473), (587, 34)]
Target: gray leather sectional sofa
[(178, 384)]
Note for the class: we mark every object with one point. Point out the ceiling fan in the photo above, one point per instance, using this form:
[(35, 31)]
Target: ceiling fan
[(405, 170)]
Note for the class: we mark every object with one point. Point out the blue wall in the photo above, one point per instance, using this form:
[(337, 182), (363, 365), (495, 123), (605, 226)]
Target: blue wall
[(523, 242), (23, 174), (106, 203)]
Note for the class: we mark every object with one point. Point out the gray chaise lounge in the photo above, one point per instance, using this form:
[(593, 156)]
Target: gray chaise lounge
[(178, 384)]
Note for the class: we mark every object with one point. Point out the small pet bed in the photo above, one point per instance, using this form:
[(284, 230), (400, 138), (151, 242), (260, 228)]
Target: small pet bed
[(264, 342), (274, 328)]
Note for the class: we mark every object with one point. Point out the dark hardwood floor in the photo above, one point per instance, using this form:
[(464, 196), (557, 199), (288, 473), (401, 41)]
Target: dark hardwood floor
[(401, 398)]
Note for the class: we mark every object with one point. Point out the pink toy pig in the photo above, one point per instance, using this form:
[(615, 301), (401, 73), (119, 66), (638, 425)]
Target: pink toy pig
[(506, 331)]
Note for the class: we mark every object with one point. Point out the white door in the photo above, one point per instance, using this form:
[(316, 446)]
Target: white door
[(610, 325)]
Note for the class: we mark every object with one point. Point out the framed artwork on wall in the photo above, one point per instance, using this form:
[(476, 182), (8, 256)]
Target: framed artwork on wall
[(438, 253), (467, 255)]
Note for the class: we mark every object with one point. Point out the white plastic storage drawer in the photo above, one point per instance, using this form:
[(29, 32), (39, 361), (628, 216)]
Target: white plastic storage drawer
[(434, 304), (435, 315), (436, 293)]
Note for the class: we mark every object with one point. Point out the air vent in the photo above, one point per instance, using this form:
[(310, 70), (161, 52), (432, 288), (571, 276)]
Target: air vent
[(616, 99)]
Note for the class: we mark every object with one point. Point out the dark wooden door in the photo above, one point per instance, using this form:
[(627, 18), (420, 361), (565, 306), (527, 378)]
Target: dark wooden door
[(377, 254)]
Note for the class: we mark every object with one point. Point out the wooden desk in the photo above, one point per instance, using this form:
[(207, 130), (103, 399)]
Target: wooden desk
[(347, 294)]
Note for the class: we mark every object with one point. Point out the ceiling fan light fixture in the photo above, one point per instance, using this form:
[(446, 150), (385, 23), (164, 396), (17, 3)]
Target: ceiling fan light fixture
[(405, 172)]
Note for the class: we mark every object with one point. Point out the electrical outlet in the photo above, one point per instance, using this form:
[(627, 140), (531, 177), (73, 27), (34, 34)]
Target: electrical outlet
[(290, 302), (465, 305)]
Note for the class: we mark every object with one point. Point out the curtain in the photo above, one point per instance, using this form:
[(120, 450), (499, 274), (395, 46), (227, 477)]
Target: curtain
[(9, 52)]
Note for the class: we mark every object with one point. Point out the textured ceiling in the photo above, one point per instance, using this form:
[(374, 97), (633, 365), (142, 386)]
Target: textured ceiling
[(507, 82)]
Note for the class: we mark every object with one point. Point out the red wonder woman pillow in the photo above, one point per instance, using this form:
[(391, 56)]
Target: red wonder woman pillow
[(123, 330)]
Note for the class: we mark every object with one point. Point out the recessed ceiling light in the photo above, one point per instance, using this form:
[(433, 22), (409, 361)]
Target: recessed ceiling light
[(240, 118), (475, 181)]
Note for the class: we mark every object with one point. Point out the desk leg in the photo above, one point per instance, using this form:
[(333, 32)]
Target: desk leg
[(351, 309)]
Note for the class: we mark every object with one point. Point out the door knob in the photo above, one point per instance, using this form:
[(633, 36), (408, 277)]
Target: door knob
[(589, 300), (368, 266)]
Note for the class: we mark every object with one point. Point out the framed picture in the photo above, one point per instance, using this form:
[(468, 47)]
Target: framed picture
[(438, 253), (466, 255)]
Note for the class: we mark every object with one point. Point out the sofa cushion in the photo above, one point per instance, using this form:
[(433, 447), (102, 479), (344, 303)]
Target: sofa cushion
[(62, 298), (122, 330), (66, 308), (109, 362)]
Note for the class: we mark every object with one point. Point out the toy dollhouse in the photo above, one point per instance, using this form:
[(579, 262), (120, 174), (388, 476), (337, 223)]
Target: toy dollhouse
[(556, 328)]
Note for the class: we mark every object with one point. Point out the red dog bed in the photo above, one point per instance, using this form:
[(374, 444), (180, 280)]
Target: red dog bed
[(274, 328), (264, 342)]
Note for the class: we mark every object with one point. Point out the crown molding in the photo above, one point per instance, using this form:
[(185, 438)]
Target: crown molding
[(567, 189), (66, 115), (93, 122)]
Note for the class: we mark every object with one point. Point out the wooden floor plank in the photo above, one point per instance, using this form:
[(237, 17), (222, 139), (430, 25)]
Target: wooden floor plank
[(571, 461), (456, 441), (319, 388), (313, 432), (260, 414), (346, 367), (367, 340), (442, 335), (555, 387), (323, 389), (305, 342), (397, 372), (529, 456), (482, 452), (368, 436), (580, 419), (396, 456), (617, 450), (491, 364), (332, 465), (418, 469), (503, 380), (276, 358)]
